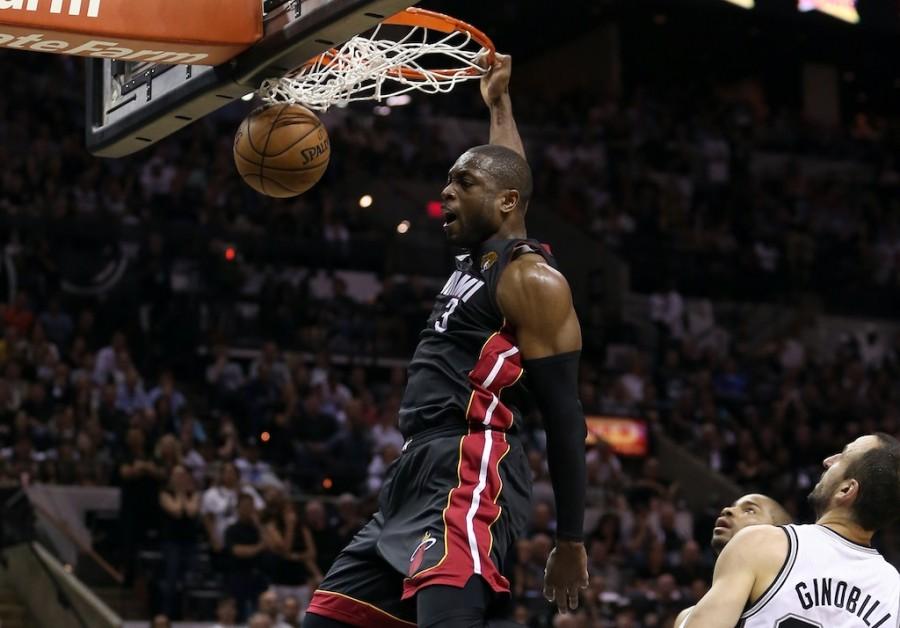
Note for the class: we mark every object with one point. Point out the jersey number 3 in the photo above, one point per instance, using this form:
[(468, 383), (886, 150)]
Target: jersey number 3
[(441, 323)]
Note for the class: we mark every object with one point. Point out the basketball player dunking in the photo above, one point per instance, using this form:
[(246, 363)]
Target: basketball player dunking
[(749, 510), (825, 575), (459, 494)]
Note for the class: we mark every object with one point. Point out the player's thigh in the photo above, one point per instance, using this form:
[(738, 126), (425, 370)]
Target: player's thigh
[(442, 606), (361, 589)]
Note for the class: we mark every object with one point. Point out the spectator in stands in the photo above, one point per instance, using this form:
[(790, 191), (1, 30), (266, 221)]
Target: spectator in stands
[(350, 519), (219, 505), (291, 611), (107, 361), (167, 453), (139, 479), (226, 613), (347, 453), (180, 507), (326, 539), (268, 605), (244, 545), (254, 471), (130, 394), (260, 620), (19, 314), (57, 324), (226, 378), (161, 621), (293, 569), (166, 391), (382, 459)]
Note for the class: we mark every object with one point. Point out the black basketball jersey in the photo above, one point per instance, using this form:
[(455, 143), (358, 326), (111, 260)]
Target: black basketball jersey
[(467, 361)]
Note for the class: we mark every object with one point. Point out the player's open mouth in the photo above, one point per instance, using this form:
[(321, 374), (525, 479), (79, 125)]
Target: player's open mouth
[(449, 217), (722, 522)]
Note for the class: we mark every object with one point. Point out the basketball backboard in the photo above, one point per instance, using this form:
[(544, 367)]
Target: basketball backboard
[(131, 105)]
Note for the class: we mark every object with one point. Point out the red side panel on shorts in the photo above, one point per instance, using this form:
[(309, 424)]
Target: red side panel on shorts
[(351, 611), (470, 512)]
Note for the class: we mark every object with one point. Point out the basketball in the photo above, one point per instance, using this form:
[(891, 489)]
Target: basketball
[(281, 150)]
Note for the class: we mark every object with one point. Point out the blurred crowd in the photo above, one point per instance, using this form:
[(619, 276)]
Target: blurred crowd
[(244, 473)]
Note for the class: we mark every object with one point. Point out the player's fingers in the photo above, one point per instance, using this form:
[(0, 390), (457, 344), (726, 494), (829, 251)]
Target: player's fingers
[(549, 593), (561, 603), (572, 598)]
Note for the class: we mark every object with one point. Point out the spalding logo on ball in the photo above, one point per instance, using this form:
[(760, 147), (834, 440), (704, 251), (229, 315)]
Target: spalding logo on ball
[(281, 150)]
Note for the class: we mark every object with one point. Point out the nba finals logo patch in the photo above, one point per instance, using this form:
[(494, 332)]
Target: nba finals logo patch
[(415, 561), (487, 260)]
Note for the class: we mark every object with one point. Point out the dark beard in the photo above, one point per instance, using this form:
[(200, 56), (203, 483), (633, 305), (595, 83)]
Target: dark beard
[(818, 499)]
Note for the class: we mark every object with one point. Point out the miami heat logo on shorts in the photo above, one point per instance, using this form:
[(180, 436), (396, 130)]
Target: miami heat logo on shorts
[(415, 561)]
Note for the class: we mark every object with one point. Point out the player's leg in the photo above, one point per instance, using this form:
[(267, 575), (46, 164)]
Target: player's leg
[(483, 499), (360, 589), (442, 606), (311, 620)]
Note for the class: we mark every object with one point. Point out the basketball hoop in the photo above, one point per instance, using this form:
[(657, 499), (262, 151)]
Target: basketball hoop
[(388, 62)]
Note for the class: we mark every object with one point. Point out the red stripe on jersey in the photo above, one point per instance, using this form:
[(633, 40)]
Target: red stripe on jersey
[(499, 365), (349, 610), (471, 511)]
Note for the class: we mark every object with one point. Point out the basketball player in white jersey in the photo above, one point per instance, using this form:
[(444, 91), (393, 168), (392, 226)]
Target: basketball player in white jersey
[(825, 575), (749, 510)]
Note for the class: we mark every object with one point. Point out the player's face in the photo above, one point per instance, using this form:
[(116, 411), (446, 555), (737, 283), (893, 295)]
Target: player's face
[(835, 470), (749, 510), (469, 202)]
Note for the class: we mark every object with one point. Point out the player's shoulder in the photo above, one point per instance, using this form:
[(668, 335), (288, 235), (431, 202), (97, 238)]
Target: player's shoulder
[(530, 272), (530, 289), (682, 617), (759, 534), (760, 544)]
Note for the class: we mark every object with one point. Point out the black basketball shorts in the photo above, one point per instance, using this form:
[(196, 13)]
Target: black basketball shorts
[(450, 507)]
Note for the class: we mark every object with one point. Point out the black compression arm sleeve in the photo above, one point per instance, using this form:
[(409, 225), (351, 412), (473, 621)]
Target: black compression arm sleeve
[(554, 382)]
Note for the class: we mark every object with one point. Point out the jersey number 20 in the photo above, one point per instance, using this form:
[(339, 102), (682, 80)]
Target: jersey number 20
[(441, 323)]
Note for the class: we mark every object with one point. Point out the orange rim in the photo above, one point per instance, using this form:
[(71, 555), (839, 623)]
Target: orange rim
[(432, 20)]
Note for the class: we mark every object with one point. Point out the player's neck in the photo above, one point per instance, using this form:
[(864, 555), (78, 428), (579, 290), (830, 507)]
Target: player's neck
[(511, 230), (848, 529)]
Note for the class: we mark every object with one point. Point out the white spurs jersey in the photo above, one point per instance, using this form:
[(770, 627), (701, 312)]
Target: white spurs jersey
[(828, 581)]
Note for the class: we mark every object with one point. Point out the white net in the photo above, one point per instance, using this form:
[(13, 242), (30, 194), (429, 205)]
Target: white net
[(375, 68)]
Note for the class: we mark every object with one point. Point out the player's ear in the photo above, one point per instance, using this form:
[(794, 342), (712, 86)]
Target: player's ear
[(847, 491), (509, 200)]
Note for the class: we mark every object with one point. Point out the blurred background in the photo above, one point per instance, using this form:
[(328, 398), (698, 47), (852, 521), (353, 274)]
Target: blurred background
[(720, 185)]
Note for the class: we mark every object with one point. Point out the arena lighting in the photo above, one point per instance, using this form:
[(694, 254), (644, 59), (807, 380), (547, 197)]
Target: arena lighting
[(434, 209), (265, 437), (230, 253), (248, 96), (365, 200), (382, 110), (403, 227), (744, 4), (841, 9), (327, 483)]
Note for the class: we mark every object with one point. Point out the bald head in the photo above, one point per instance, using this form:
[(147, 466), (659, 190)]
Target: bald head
[(780, 516), (507, 168), (749, 510)]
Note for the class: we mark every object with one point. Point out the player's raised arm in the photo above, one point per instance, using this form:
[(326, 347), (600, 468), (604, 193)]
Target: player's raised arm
[(495, 91), (537, 301), (745, 567)]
